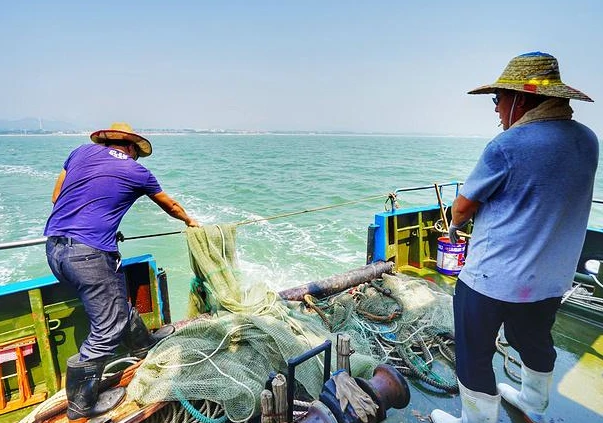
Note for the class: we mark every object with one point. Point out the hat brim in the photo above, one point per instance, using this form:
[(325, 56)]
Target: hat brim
[(105, 135), (552, 90)]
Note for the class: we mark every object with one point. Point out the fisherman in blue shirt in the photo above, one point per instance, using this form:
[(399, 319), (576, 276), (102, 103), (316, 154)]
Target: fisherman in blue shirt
[(530, 196)]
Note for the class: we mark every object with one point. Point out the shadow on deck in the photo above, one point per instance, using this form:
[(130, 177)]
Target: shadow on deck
[(577, 393)]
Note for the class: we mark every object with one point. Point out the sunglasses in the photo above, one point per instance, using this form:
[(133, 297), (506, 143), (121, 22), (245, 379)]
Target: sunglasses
[(496, 100)]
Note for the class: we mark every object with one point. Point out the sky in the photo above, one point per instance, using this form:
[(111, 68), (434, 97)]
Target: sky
[(362, 66)]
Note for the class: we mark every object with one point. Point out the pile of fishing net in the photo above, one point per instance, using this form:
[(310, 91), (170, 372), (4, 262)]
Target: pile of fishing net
[(407, 321), (227, 357)]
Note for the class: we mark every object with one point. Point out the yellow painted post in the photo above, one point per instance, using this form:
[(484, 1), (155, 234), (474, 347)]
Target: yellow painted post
[(43, 338)]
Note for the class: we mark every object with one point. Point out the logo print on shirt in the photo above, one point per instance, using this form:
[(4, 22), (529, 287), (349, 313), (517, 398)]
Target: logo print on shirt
[(118, 154)]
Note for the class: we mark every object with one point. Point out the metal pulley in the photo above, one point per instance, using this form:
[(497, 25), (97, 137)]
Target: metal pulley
[(386, 389)]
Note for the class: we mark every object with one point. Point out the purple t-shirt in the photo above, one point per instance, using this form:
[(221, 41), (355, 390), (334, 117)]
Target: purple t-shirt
[(100, 186)]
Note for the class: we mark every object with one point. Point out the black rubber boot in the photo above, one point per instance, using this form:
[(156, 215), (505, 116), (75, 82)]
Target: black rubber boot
[(137, 337), (83, 398)]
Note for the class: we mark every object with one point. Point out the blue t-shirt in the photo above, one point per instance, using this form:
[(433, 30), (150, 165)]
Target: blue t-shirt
[(535, 183), (100, 185)]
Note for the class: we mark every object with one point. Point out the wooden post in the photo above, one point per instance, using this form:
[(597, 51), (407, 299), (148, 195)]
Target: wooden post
[(267, 406), (279, 390), (442, 212), (343, 352)]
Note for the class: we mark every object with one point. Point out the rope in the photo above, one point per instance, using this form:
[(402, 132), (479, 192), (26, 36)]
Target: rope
[(185, 411), (444, 349), (197, 414), (278, 216), (597, 281), (205, 356), (121, 237), (223, 242), (309, 300), (238, 383), (303, 404), (418, 368), (377, 318), (188, 406), (371, 328), (502, 349), (59, 398), (127, 360)]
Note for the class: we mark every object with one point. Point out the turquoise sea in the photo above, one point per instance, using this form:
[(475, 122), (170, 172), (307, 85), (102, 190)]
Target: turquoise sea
[(233, 178)]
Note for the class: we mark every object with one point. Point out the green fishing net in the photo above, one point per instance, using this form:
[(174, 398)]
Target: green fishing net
[(405, 320), (227, 358)]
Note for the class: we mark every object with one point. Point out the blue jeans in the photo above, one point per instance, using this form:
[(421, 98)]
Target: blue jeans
[(477, 320), (101, 286)]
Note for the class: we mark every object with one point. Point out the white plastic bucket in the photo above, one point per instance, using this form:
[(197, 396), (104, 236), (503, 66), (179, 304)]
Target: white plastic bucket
[(451, 257)]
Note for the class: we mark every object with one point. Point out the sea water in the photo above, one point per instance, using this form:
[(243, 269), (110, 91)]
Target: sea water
[(235, 178)]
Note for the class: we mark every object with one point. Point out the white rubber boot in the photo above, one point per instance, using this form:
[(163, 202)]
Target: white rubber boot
[(533, 398), (477, 407)]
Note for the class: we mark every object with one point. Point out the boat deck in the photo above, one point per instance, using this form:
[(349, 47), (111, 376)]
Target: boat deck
[(577, 385), (577, 391), (575, 397)]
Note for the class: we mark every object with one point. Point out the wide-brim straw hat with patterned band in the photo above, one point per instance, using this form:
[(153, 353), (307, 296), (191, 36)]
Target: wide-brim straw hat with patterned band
[(121, 131), (536, 73)]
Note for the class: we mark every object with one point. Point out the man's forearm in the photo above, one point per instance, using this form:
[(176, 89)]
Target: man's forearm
[(177, 212), (173, 208), (459, 218), (463, 209)]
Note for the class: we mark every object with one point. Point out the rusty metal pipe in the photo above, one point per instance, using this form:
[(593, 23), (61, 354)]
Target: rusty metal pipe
[(338, 283)]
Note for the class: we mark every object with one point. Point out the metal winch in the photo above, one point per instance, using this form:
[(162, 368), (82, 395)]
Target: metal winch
[(386, 389)]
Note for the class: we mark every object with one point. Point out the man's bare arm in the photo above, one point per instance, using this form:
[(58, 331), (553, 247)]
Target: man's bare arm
[(173, 208), (58, 185), (463, 209)]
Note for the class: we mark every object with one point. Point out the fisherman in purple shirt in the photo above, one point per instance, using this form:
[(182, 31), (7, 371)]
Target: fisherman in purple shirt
[(98, 184)]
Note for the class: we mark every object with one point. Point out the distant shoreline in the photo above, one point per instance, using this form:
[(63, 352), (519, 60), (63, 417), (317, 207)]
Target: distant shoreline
[(53, 134), (249, 133)]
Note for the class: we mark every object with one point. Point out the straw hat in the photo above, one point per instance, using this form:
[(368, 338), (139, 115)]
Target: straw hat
[(121, 131), (536, 73)]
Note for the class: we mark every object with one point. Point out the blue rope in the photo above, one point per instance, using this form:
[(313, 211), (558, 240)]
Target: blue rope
[(196, 413)]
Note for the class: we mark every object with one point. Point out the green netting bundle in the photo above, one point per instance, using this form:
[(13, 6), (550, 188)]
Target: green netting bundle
[(403, 320), (226, 358), (424, 304)]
